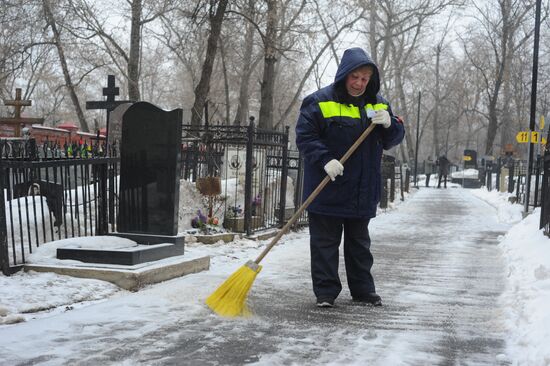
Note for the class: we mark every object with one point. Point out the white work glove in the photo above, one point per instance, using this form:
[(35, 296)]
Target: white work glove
[(334, 168), (382, 117)]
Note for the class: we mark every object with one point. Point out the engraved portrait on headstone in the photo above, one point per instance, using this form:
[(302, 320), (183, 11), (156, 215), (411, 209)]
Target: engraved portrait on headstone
[(235, 158)]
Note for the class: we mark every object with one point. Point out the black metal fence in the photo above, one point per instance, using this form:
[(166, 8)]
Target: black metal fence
[(42, 201), (510, 175), (545, 194), (18, 148), (254, 167), (395, 180), (48, 194), (507, 174)]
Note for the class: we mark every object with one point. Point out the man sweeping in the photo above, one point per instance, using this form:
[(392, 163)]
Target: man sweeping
[(330, 121)]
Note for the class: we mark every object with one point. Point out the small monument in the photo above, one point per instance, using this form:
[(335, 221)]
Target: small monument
[(149, 189), (149, 174), (17, 121)]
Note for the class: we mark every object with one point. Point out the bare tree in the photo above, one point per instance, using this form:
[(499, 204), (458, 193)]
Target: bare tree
[(248, 64), (203, 87), (493, 42), (125, 59), (270, 57), (341, 22), (48, 14)]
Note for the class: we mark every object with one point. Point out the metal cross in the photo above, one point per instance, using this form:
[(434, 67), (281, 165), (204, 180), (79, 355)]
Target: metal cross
[(110, 104)]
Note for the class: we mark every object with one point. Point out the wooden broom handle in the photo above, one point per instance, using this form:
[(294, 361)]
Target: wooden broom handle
[(314, 194)]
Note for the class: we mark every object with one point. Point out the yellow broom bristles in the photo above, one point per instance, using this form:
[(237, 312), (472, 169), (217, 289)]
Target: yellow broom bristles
[(230, 298)]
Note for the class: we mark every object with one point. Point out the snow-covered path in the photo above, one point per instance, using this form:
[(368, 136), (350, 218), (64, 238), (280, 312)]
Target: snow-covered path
[(437, 268)]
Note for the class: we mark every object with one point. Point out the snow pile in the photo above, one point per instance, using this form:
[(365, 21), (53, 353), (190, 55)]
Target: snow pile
[(47, 253), (466, 174), (527, 295), (23, 295), (507, 212), (191, 201)]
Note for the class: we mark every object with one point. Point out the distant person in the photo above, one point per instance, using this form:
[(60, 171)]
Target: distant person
[(443, 166)]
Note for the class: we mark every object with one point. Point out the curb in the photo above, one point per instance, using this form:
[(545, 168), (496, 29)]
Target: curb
[(131, 279)]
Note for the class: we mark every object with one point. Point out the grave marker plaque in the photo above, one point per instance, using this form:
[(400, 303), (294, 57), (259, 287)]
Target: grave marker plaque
[(149, 170)]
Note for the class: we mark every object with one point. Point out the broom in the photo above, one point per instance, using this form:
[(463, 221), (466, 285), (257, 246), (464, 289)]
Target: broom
[(230, 298)]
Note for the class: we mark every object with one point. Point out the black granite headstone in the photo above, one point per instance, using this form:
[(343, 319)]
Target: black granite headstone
[(149, 190), (149, 170)]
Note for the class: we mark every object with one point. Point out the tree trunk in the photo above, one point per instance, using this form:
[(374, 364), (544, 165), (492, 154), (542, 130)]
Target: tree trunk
[(372, 31), (307, 73), (203, 87), (242, 108), (135, 43), (506, 129), (493, 125), (68, 82), (268, 79), (226, 87), (408, 120), (437, 101)]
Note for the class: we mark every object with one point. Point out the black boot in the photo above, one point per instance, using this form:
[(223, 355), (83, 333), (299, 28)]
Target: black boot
[(371, 298)]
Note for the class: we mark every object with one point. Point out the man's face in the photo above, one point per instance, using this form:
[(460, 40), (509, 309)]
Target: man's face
[(357, 80)]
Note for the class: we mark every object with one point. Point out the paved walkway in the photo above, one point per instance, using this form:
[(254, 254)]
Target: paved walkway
[(437, 268), (439, 272)]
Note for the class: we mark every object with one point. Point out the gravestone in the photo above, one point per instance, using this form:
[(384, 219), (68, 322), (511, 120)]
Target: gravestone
[(235, 169), (149, 189), (149, 171)]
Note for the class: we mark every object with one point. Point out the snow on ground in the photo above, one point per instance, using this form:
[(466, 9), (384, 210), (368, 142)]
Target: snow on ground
[(26, 297), (507, 212), (527, 295)]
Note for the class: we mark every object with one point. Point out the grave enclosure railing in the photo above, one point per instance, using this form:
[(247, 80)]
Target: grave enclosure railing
[(43, 201), (261, 178), (51, 197)]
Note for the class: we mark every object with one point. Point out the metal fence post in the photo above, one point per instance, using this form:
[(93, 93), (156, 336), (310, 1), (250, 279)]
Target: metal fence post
[(545, 199), (4, 256), (112, 194), (392, 182), (537, 179), (284, 174), (401, 183), (383, 186), (101, 224), (248, 178), (498, 168), (511, 177), (407, 179)]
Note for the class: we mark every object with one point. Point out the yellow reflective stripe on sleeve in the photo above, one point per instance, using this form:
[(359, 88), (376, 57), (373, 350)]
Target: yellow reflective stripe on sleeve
[(335, 109), (377, 107)]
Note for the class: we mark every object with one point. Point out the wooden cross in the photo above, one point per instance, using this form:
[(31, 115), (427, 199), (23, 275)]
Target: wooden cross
[(17, 103), (110, 104)]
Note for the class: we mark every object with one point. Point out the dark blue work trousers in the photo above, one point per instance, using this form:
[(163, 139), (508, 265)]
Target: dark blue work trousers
[(325, 237)]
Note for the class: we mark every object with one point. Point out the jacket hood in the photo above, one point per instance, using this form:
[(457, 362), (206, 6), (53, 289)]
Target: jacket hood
[(352, 59)]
